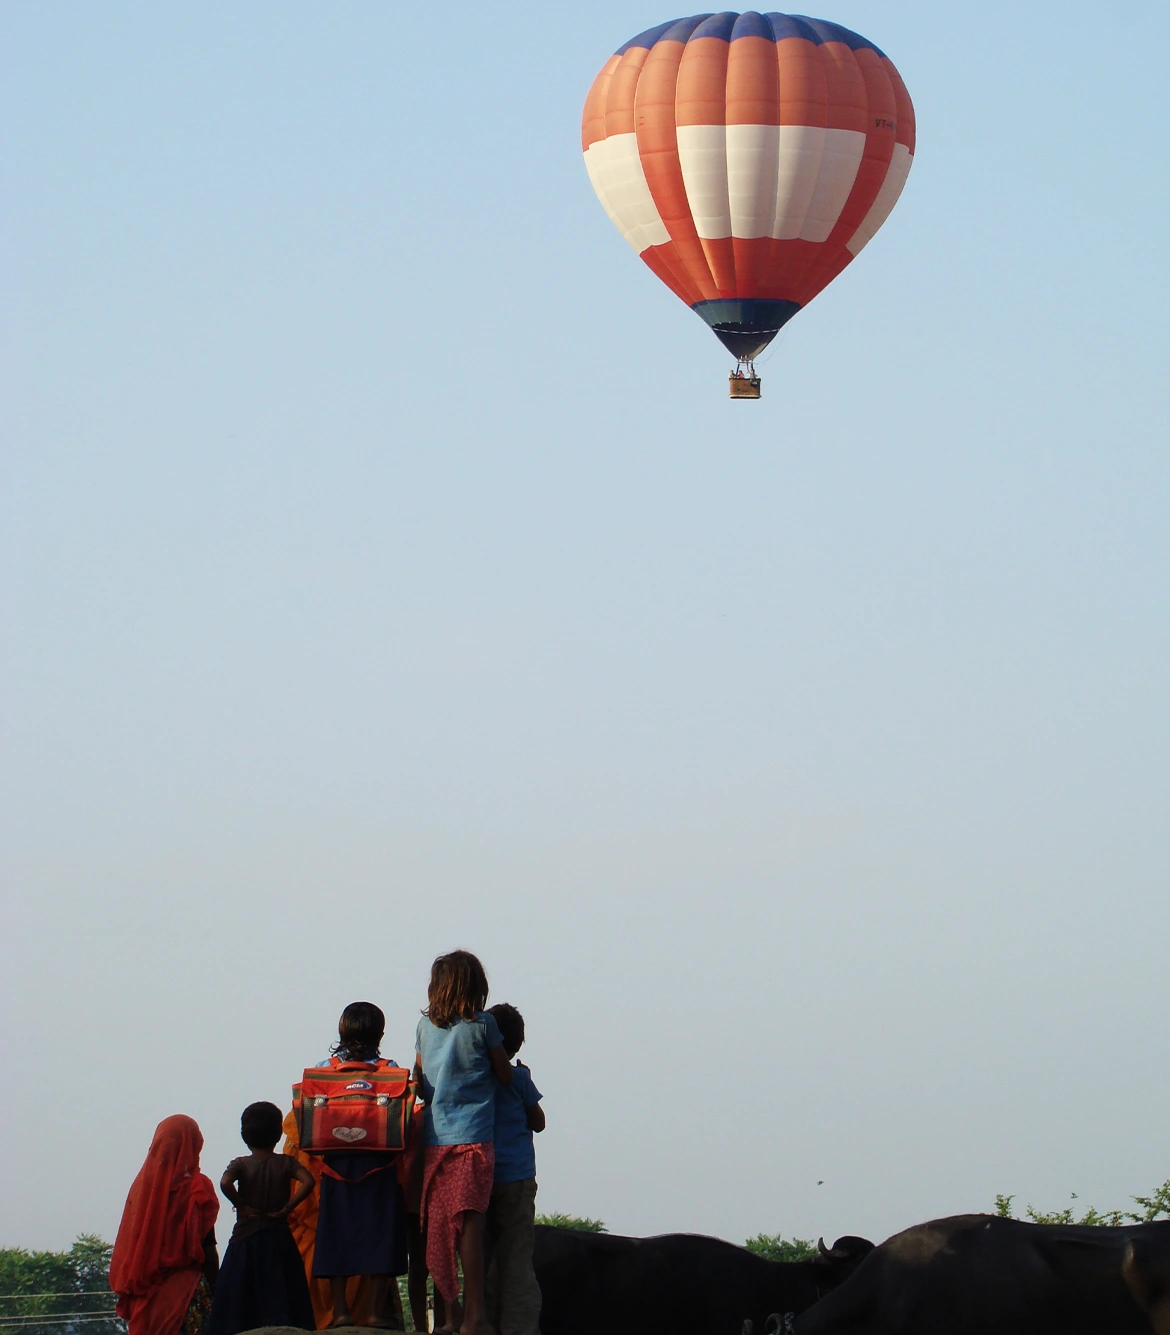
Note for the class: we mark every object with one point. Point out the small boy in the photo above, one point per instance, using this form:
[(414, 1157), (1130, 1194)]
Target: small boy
[(513, 1293), (262, 1280)]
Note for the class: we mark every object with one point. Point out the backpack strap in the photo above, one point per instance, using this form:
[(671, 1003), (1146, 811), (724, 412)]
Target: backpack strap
[(381, 1168)]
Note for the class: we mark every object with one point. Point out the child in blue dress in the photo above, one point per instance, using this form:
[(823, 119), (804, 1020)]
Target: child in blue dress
[(513, 1293), (459, 1060)]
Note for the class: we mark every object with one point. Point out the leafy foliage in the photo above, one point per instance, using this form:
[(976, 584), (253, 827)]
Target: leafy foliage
[(1150, 1208), (773, 1247), (69, 1291), (572, 1221), (1155, 1205)]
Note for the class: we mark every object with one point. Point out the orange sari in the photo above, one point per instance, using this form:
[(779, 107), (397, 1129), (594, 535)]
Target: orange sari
[(158, 1258), (303, 1224)]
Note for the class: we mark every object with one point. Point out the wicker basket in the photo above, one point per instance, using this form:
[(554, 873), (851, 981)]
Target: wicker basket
[(744, 387)]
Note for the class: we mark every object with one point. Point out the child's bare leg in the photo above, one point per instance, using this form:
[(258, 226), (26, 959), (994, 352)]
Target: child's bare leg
[(337, 1286), (441, 1322), (471, 1254), (379, 1296)]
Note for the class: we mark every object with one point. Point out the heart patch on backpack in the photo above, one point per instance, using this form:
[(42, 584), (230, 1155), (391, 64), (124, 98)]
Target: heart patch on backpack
[(349, 1134)]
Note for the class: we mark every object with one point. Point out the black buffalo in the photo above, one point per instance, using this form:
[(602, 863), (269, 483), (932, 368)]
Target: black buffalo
[(677, 1284), (982, 1275)]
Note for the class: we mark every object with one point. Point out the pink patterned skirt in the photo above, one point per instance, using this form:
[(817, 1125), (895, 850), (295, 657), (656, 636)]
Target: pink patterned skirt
[(456, 1178)]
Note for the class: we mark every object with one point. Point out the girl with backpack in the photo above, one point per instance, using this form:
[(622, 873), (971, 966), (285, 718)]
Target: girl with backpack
[(361, 1226), (459, 1059)]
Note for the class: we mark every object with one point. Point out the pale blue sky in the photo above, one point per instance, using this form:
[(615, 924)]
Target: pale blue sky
[(386, 570)]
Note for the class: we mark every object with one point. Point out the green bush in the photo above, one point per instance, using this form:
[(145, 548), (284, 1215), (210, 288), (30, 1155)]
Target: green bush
[(1151, 1207), (69, 1290), (571, 1221), (773, 1247)]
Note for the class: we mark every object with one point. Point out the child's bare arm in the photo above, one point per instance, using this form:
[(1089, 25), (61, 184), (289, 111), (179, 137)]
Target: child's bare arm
[(535, 1115), (501, 1066), (227, 1183)]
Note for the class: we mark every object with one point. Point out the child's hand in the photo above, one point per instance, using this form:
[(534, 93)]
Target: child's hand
[(282, 1213)]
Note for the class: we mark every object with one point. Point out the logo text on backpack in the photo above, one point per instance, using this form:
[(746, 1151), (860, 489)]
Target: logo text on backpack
[(349, 1134), (359, 1084)]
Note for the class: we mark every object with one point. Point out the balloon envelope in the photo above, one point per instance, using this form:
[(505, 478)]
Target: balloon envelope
[(748, 158)]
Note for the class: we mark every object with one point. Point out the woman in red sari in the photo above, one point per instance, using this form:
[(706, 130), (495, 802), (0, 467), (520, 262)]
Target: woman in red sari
[(164, 1261)]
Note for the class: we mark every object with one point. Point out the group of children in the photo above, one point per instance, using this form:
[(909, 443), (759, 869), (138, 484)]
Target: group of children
[(461, 1198)]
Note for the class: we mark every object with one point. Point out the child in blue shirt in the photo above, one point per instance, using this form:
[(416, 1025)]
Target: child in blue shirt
[(514, 1295)]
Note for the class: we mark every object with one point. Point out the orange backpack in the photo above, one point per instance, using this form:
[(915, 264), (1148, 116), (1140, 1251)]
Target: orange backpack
[(354, 1106)]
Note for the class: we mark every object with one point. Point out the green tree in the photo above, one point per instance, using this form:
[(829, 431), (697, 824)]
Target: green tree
[(774, 1247), (1153, 1206), (1150, 1208), (56, 1293), (571, 1221)]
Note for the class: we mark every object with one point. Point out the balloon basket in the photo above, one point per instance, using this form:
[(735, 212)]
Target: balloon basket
[(743, 386)]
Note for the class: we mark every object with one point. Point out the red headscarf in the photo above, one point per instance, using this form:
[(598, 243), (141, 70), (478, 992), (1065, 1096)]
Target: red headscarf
[(158, 1254)]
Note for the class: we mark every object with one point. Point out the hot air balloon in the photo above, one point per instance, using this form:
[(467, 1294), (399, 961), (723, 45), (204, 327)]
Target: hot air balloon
[(748, 158)]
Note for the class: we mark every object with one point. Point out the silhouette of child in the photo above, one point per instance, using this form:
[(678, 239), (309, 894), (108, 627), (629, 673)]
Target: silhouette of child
[(262, 1279)]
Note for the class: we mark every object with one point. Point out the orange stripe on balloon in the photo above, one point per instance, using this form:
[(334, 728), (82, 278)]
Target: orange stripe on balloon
[(664, 262), (654, 108), (701, 92), (752, 90), (623, 85), (755, 259), (593, 117), (847, 102), (801, 84), (786, 261), (905, 108)]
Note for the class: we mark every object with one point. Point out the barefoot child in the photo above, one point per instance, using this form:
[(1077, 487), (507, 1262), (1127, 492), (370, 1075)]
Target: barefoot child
[(459, 1060), (361, 1227), (513, 1293), (262, 1280)]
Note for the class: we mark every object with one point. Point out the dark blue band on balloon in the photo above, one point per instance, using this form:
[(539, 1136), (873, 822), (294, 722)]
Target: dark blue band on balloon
[(792, 25), (652, 35), (719, 26), (830, 32), (752, 24), (729, 27), (745, 326)]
